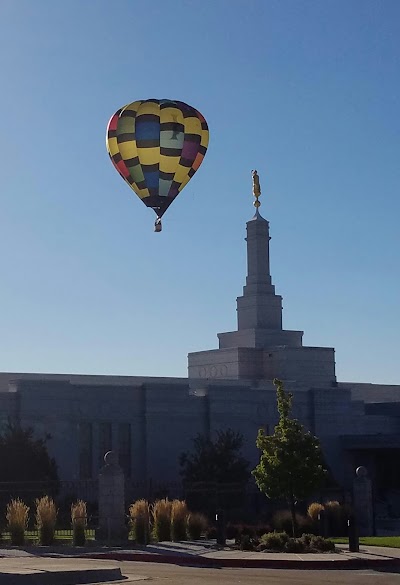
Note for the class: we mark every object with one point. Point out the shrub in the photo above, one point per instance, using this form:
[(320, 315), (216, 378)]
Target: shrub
[(17, 520), (46, 516), (282, 522), (274, 540), (319, 544), (179, 514), (79, 522), (294, 545), (313, 543), (161, 512), (196, 525), (280, 541), (139, 518), (306, 539), (247, 542)]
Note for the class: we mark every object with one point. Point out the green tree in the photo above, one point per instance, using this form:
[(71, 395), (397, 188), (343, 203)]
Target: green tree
[(291, 463), (212, 466)]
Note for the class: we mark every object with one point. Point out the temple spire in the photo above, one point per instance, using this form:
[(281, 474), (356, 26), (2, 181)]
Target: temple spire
[(260, 347), (259, 307)]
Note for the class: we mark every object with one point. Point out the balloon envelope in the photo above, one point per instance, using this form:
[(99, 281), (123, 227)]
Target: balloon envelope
[(157, 146)]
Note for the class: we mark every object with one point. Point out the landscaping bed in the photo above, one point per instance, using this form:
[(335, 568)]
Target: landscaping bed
[(282, 542)]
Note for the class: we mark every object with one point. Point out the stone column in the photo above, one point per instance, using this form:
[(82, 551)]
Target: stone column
[(112, 521), (362, 502)]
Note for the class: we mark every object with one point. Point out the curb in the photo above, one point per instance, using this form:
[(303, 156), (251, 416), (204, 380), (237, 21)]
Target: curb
[(78, 577), (340, 564)]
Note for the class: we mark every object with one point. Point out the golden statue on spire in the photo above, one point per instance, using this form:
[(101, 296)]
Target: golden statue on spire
[(256, 188)]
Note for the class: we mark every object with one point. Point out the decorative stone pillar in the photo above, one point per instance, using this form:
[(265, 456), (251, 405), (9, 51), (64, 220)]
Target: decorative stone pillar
[(362, 502), (112, 521)]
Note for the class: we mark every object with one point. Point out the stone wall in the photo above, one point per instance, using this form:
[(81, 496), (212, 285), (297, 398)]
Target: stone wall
[(164, 416)]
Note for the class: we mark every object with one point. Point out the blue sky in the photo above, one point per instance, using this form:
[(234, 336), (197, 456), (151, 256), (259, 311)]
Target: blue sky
[(307, 92)]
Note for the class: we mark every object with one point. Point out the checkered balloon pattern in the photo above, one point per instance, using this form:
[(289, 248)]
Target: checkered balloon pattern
[(157, 146)]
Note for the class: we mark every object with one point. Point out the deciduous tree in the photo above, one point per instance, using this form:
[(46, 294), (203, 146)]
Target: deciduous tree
[(215, 472), (291, 464), (26, 468)]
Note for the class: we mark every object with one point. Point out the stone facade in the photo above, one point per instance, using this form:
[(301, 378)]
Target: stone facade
[(149, 421)]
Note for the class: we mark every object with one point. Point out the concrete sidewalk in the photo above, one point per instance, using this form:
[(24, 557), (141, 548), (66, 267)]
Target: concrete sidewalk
[(207, 554), (36, 570)]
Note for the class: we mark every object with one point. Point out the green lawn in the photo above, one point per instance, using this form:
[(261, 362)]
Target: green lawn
[(392, 541)]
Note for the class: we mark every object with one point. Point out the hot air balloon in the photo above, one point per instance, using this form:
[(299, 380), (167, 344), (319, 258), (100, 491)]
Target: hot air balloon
[(157, 146)]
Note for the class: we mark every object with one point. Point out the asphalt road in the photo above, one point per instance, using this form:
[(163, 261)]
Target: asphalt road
[(16, 570), (176, 575)]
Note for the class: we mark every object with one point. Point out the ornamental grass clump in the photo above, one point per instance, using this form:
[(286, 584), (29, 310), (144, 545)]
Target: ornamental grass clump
[(139, 516), (161, 513), (79, 523), (333, 508), (46, 517), (197, 524), (179, 514), (337, 517), (314, 510), (17, 515)]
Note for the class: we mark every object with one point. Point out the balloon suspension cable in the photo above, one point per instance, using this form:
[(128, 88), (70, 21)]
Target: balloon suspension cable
[(256, 188), (158, 225)]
